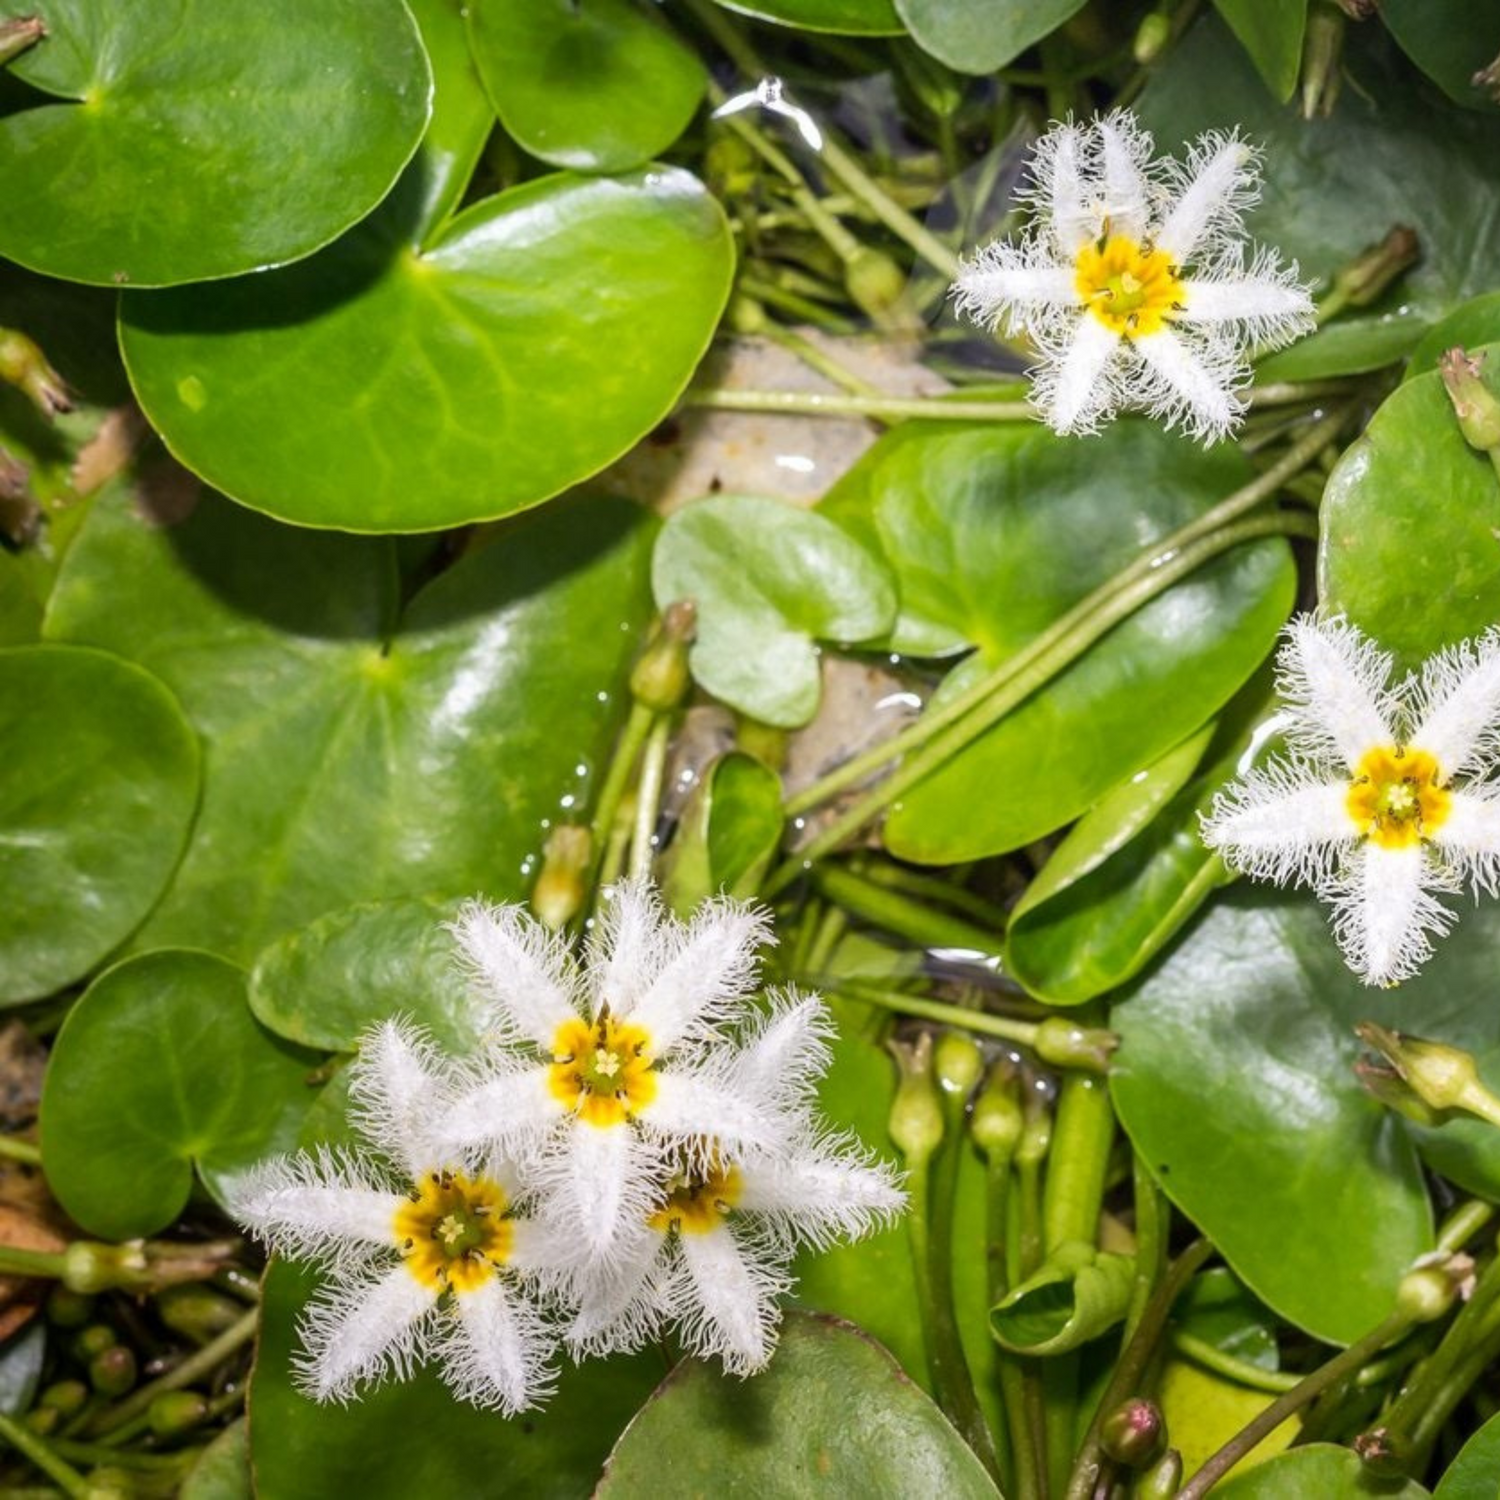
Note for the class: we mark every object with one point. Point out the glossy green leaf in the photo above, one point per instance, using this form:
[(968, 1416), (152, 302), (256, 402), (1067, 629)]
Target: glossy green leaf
[(411, 1437), (1408, 522), (222, 1469), (358, 750), (159, 1069), (600, 87), (1389, 154), (191, 142), (850, 17), (831, 1414), (1235, 1081), (1271, 32), (1450, 41), (324, 984), (1472, 323), (978, 36), (99, 785), (489, 333), (1077, 1294), (994, 532), (20, 613), (770, 580), (1322, 1469), (1475, 1473), (1217, 1309), (729, 832)]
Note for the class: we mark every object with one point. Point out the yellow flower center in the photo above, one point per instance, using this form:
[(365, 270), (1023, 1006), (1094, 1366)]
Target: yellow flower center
[(697, 1204), (1131, 289), (602, 1071), (454, 1232), (1395, 796)]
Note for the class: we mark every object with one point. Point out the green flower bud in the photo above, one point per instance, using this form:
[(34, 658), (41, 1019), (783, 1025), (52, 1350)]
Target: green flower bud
[(875, 282), (175, 1412), (660, 679), (997, 1119), (958, 1064), (1162, 1480), (1433, 1285), (23, 365), (94, 1339), (916, 1122), (1385, 1452), (1440, 1076), (43, 1420), (562, 884), (1134, 1433), (67, 1308), (1474, 404), (109, 1484), (1362, 280), (90, 1267), (1154, 32), (67, 1397), (1322, 60), (113, 1372), (197, 1312), (747, 315), (1065, 1044)]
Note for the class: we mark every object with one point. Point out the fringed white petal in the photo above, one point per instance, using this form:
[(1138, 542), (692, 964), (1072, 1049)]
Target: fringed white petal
[(631, 942), (396, 1092), (522, 974), (785, 1052), (599, 1185), (1269, 310), (824, 1189), (358, 1331), (733, 1309), (1282, 823), (494, 1348), (624, 1303), (1193, 384), (1457, 706), (506, 1109), (1217, 184), (693, 1108), (328, 1207), (1469, 837), (1059, 188), (1384, 915), (1334, 682), (996, 289), (1075, 393), (1126, 189)]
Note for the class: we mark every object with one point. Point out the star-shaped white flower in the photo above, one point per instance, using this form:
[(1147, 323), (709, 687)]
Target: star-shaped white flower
[(1132, 282), (422, 1250), (606, 1072), (1386, 797)]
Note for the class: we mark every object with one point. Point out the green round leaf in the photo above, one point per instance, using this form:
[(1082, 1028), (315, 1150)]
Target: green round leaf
[(994, 533), (1409, 521), (487, 336), (599, 87), (20, 614), (222, 1470), (1450, 41), (1271, 32), (411, 1437), (850, 17), (1473, 1474), (1321, 1469), (358, 750), (161, 1068), (769, 580), (98, 792), (324, 984), (207, 140), (1474, 322), (831, 1414), (1235, 1081), (978, 36), (728, 834)]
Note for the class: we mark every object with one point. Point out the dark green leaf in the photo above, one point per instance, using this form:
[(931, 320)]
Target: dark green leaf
[(161, 1068), (831, 1414), (20, 613), (769, 580), (352, 758), (412, 1437), (1321, 1469), (222, 1469), (1472, 323), (600, 87), (977, 36), (1271, 32), (99, 786), (1077, 1294), (1450, 41), (851, 17), (192, 142), (1217, 1309), (729, 831), (1472, 1475)]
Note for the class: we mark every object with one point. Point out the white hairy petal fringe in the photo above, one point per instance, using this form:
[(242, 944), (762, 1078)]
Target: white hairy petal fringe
[(1005, 286), (493, 1349), (632, 941), (1456, 706), (1059, 189), (707, 979), (1469, 838), (728, 1302), (1190, 382), (1334, 682), (523, 976), (330, 1207), (1384, 915), (362, 1330), (1267, 304), (1076, 391), (623, 1304), (396, 1093), (1209, 195), (597, 1185), (785, 1052), (694, 1107), (1126, 189), (1282, 823), (504, 1108)]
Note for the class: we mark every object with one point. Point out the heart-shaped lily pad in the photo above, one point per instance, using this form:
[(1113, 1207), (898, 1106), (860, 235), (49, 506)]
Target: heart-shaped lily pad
[(1235, 1081), (358, 750), (769, 581), (851, 17), (97, 795), (977, 36), (830, 1411), (1271, 32), (1409, 523), (411, 1436), (207, 140), (600, 87), (161, 1068)]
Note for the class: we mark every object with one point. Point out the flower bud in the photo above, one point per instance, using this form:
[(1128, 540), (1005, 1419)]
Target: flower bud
[(94, 1339), (997, 1121), (67, 1308), (23, 365), (113, 1372), (1391, 1089), (1065, 1044), (1036, 1129), (1361, 281), (1162, 1480), (562, 885), (1134, 1433), (197, 1312), (660, 680), (1322, 60), (19, 34), (66, 1397), (916, 1122), (90, 1267), (174, 1412), (1442, 1077), (747, 315), (1474, 404), (1384, 1451), (109, 1484), (42, 1420), (958, 1063), (1151, 36), (875, 282), (1433, 1285)]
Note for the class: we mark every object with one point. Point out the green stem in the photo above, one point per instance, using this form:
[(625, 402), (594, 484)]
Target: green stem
[(1151, 563), (1463, 1224), (18, 1262), (621, 764), (1081, 1138), (1026, 1454), (980, 1022), (932, 888), (27, 1443), (804, 309), (896, 913), (1241, 1371), (1021, 675), (1343, 1364), (18, 1150), (648, 796), (819, 359), (1131, 1365), (98, 1453), (1153, 1223), (736, 46)]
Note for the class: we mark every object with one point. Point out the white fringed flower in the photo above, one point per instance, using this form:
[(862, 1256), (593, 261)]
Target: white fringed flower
[(606, 1073), (1133, 282), (1386, 797), (421, 1249)]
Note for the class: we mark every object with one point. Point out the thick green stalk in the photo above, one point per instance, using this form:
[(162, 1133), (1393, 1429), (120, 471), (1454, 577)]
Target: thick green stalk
[(896, 913), (1153, 1223), (27, 1443), (1081, 1138), (648, 796), (981, 1023)]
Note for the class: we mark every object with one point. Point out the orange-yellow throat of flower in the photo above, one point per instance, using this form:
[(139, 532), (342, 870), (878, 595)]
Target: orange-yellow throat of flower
[(698, 1204), (1129, 288), (1395, 797), (453, 1232), (602, 1071)]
